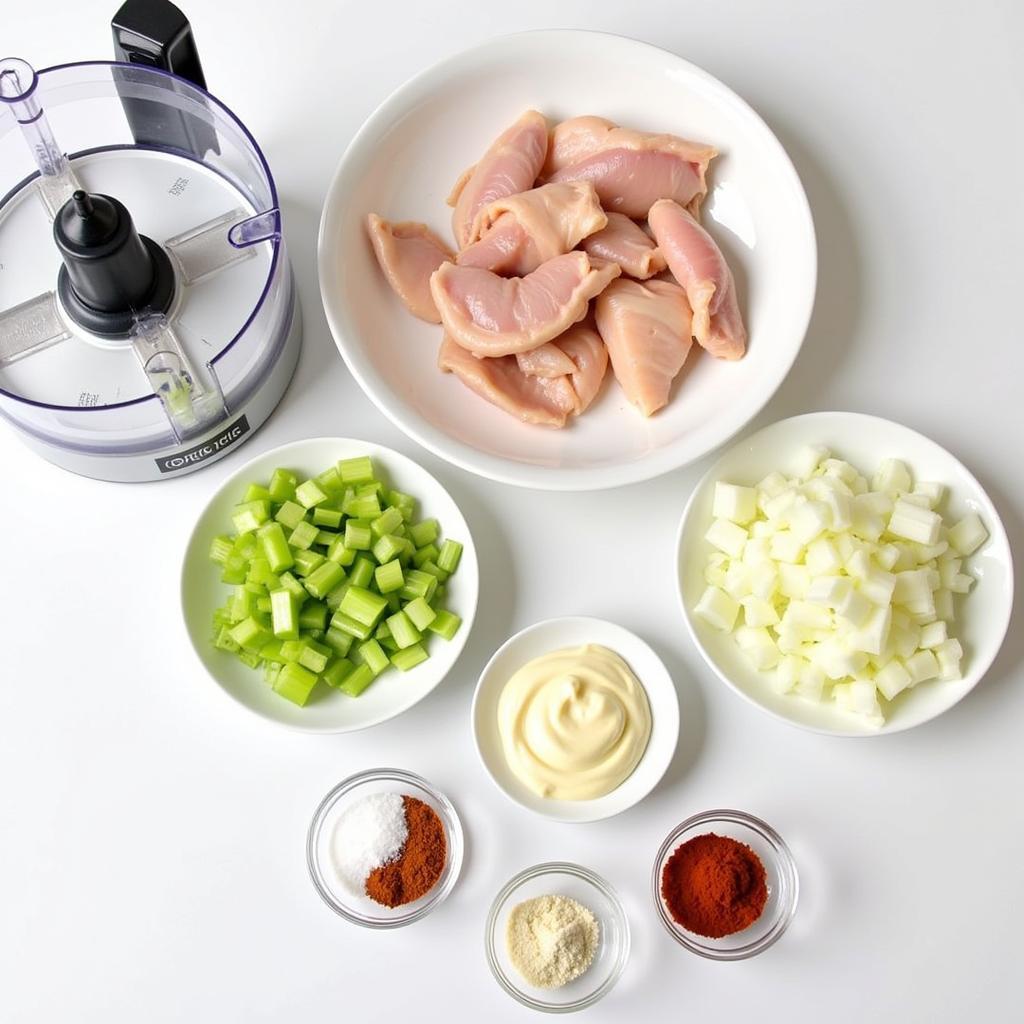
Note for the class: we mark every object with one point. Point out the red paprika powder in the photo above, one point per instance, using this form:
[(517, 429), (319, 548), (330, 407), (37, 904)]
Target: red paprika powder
[(714, 886)]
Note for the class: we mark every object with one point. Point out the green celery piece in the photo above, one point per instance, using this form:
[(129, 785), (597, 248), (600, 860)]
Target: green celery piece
[(303, 536), (370, 487), (313, 615), (264, 605), (275, 547), (405, 503), (389, 576), (446, 624), (361, 573), (356, 471), (418, 584), (282, 485), (324, 579), (292, 649), (337, 552), (242, 604), (387, 548), (271, 651), (409, 657), (245, 544), (338, 641), (382, 632), (394, 601), (341, 621), (334, 598), (439, 593), (225, 641), (249, 634), (248, 658), (363, 605), (295, 683), (337, 671), (330, 481), (387, 522), (220, 549), (315, 656), (255, 588), (290, 515), (451, 552), (421, 614), (325, 538), (309, 494), (424, 533), (284, 614), (436, 571), (366, 507), (222, 617), (256, 492), (289, 582), (250, 516), (271, 670), (425, 554), (389, 645), (307, 562), (357, 681), (405, 634), (358, 535), (372, 655), (329, 517)]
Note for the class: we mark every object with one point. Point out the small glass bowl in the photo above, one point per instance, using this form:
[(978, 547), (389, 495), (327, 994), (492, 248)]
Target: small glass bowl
[(561, 879), (779, 867), (363, 910)]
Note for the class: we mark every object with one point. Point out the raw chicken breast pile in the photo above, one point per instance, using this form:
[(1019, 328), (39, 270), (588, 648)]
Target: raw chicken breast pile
[(576, 248)]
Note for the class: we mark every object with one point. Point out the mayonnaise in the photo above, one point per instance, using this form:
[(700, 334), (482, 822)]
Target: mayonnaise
[(574, 723)]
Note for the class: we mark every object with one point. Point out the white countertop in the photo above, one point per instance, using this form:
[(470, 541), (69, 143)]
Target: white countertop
[(151, 832)]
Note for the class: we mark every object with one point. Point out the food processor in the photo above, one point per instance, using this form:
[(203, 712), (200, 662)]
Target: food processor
[(149, 321)]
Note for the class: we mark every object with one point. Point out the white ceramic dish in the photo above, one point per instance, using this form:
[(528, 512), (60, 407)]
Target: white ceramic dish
[(982, 616), (394, 691), (551, 635), (402, 164)]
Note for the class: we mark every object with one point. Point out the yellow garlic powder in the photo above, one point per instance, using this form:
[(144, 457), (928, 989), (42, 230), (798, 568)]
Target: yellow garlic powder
[(551, 940)]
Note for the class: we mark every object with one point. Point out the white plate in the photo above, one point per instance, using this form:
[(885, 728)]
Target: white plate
[(393, 692), (982, 616), (551, 635), (405, 159)]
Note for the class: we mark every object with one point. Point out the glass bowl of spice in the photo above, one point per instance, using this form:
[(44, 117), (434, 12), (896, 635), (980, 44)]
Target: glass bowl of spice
[(725, 885), (384, 848), (557, 937)]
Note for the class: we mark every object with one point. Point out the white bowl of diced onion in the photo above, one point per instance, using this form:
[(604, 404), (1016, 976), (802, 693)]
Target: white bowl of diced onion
[(845, 574)]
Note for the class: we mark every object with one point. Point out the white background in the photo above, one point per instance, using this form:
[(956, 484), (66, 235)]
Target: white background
[(151, 832)]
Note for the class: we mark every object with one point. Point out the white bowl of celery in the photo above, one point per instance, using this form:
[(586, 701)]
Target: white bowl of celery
[(329, 584)]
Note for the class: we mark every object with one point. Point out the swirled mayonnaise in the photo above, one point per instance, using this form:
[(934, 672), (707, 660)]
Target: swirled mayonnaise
[(574, 723)]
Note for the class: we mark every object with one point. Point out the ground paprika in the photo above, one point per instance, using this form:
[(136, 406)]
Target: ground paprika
[(714, 886), (415, 871)]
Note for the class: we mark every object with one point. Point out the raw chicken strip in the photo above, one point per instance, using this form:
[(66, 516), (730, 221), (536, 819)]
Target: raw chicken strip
[(646, 327), (545, 401), (498, 316), (510, 165), (629, 169), (624, 242), (698, 265), (517, 234), (547, 361), (583, 345), (409, 253)]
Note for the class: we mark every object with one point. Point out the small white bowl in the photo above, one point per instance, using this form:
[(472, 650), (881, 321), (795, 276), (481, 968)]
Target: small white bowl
[(552, 635), (982, 616), (402, 164), (392, 693)]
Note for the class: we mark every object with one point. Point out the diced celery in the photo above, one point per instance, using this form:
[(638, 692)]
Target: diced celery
[(448, 559), (220, 549), (421, 614), (425, 554), (394, 601), (290, 515), (343, 622), (445, 624), (361, 572), (307, 562), (330, 481), (424, 533), (295, 683), (388, 521), (370, 487), (250, 516), (249, 634), (365, 507), (337, 552), (284, 614), (245, 545), (324, 578), (275, 547), (289, 582), (363, 605), (313, 615), (292, 649), (256, 492), (357, 681), (389, 576), (358, 535), (405, 634), (271, 651), (249, 658), (387, 548), (264, 605), (435, 570), (388, 643), (329, 517), (337, 671), (309, 494), (418, 584), (338, 641), (356, 471), (405, 503), (372, 655), (303, 536), (334, 598), (225, 641), (271, 670), (282, 485), (409, 657), (325, 538), (314, 656)]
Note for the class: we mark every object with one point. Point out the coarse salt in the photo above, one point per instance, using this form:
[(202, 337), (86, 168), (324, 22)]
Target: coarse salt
[(368, 834)]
